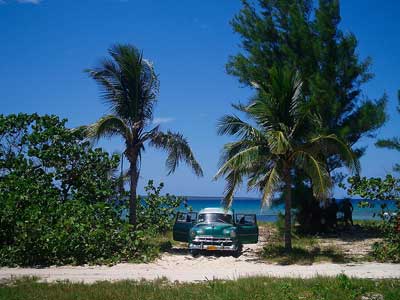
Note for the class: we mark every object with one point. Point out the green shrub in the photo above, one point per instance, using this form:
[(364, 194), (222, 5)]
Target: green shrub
[(72, 232), (387, 188), (57, 198), (388, 250), (157, 212)]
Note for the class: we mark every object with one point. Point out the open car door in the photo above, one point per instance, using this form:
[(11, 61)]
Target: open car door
[(247, 228), (183, 223)]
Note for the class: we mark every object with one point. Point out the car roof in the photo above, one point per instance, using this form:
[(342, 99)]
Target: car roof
[(216, 210)]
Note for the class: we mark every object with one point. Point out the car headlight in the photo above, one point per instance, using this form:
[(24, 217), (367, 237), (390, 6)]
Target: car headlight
[(230, 232), (200, 231), (193, 233)]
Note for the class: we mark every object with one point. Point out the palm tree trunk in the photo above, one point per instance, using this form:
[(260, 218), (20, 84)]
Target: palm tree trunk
[(288, 208), (134, 174)]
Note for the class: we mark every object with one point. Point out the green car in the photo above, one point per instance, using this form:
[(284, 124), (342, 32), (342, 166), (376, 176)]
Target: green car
[(215, 229)]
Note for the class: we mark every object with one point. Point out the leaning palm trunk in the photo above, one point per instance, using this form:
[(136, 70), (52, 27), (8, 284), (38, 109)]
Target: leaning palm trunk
[(134, 174), (132, 155), (288, 211)]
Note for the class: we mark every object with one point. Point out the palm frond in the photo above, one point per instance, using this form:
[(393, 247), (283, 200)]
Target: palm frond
[(144, 136), (233, 125), (178, 150), (128, 82), (109, 126), (233, 180), (258, 174), (296, 99), (263, 111), (242, 160), (109, 77), (331, 144), (280, 100), (393, 143), (316, 170), (230, 149), (271, 184), (278, 142)]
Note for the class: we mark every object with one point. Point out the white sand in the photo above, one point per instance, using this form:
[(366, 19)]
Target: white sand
[(182, 267)]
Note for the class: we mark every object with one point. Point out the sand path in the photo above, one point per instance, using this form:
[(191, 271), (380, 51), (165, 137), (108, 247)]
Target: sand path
[(180, 266)]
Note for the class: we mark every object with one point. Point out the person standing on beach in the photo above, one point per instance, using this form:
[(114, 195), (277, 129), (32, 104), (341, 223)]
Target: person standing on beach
[(332, 214), (347, 212)]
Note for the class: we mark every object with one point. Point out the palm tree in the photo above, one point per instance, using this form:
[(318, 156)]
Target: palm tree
[(130, 88), (281, 138)]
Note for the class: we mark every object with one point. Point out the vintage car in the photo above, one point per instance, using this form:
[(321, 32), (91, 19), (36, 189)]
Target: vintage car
[(215, 229)]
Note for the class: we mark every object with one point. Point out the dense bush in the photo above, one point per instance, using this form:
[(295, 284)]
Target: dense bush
[(58, 158), (57, 198), (382, 189), (72, 232), (157, 212)]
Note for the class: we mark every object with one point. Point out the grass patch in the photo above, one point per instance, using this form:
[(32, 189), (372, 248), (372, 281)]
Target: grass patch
[(345, 245), (306, 249), (302, 256), (340, 287), (305, 252), (161, 242)]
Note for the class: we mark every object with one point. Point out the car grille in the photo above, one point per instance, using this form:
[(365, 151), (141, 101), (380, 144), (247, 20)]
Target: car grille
[(209, 240)]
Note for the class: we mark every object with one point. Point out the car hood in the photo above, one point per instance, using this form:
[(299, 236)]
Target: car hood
[(215, 229)]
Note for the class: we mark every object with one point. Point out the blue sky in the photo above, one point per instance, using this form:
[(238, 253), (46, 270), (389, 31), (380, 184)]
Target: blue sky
[(46, 45)]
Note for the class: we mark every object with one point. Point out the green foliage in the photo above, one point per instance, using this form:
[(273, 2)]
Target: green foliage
[(382, 189), (257, 288), (375, 188), (305, 36), (60, 160), (57, 198), (280, 137), (157, 212), (72, 232)]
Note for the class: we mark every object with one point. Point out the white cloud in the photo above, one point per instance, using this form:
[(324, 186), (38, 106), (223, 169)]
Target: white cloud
[(29, 1), (200, 24), (162, 120)]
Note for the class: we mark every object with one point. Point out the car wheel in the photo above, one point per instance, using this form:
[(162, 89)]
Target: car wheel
[(237, 252), (194, 253)]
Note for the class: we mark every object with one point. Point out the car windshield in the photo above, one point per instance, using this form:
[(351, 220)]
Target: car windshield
[(214, 217)]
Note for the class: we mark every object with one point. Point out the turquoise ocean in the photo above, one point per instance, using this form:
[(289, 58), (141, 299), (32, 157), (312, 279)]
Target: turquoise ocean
[(253, 206)]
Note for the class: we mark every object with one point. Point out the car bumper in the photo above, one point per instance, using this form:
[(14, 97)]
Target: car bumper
[(213, 244)]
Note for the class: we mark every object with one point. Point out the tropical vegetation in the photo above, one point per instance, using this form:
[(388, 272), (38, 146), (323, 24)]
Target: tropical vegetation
[(281, 136), (387, 188), (130, 87), (156, 212), (60, 201), (305, 35)]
